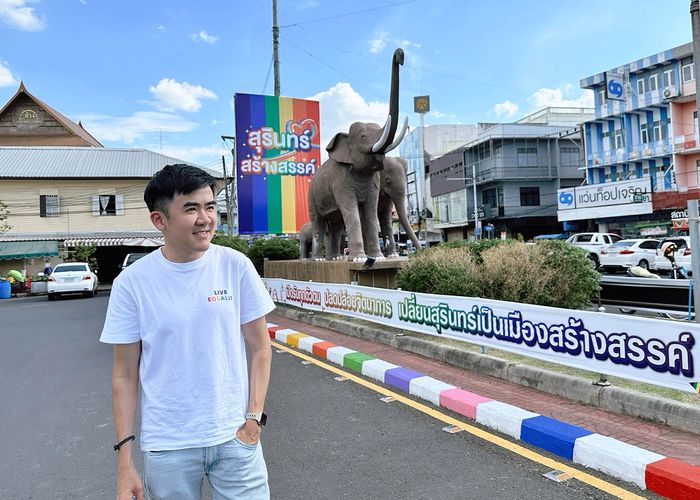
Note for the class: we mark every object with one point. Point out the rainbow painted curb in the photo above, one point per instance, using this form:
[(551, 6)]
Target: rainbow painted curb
[(664, 476)]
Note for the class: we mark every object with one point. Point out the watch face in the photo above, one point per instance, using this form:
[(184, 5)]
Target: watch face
[(263, 419)]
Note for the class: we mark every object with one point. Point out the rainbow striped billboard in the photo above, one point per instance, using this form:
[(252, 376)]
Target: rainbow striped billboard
[(277, 152)]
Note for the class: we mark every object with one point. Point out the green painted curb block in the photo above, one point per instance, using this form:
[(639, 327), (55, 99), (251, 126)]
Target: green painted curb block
[(354, 361)]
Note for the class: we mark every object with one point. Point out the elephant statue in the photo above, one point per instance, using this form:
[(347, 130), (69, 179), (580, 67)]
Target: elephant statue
[(346, 186), (332, 241), (392, 191)]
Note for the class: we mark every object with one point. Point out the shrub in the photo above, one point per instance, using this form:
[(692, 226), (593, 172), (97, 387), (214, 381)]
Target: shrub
[(235, 242), (84, 253), (549, 273), (272, 249), (476, 247)]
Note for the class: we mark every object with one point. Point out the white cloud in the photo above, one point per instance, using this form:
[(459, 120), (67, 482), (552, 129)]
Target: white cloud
[(173, 95), (18, 14), (84, 2), (203, 36), (161, 28), (378, 44), (7, 79), (127, 129), (209, 155), (558, 97), (505, 108), (340, 106)]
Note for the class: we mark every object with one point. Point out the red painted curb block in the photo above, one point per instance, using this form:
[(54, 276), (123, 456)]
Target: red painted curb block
[(320, 349), (272, 329), (673, 479)]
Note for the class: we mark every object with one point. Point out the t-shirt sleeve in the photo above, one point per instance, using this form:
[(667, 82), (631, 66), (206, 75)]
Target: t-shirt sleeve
[(256, 301), (122, 321)]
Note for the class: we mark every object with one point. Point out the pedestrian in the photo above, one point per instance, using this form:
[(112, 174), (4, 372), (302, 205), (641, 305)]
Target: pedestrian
[(47, 268), (178, 319)]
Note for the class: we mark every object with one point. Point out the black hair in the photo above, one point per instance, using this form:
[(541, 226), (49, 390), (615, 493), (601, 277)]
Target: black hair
[(172, 180)]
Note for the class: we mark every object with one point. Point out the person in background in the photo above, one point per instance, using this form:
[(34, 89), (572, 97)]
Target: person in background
[(47, 268)]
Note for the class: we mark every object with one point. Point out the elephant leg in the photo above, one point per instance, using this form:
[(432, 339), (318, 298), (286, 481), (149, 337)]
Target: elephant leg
[(385, 229), (370, 228), (318, 226), (351, 217), (335, 234)]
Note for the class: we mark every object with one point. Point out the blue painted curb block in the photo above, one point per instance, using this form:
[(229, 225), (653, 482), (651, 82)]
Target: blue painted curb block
[(401, 377), (552, 435)]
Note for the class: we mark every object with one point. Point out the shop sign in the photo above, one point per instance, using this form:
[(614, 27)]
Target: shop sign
[(653, 231), (585, 202), (679, 220)]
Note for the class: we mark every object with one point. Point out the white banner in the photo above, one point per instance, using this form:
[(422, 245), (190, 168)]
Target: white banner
[(654, 351)]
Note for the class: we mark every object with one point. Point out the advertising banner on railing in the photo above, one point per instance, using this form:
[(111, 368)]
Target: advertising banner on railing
[(277, 153), (654, 351)]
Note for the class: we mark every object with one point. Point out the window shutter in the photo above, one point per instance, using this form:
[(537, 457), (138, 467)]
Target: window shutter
[(42, 205), (119, 203), (95, 205)]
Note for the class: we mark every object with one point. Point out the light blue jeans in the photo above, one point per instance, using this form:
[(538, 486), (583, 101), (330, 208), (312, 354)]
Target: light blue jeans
[(235, 470)]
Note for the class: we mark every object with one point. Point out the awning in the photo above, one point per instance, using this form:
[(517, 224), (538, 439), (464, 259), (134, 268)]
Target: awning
[(27, 249), (144, 242), (98, 242)]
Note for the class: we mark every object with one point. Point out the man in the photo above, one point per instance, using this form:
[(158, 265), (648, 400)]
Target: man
[(178, 318)]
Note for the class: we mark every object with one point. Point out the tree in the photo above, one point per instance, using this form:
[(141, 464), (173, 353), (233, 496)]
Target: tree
[(84, 253), (4, 213)]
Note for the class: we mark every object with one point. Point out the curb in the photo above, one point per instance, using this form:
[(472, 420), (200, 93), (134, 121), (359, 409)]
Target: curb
[(681, 416), (665, 476)]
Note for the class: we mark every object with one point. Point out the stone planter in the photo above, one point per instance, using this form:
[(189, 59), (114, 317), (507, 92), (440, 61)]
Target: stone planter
[(38, 287)]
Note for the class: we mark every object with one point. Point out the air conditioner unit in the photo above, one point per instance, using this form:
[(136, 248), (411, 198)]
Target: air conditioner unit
[(670, 92)]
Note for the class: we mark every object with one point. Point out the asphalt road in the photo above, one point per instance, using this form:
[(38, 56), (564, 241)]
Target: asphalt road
[(325, 438)]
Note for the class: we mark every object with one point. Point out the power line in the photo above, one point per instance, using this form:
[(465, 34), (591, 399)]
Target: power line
[(348, 14)]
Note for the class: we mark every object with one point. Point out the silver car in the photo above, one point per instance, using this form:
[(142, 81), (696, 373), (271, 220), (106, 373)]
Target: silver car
[(72, 277)]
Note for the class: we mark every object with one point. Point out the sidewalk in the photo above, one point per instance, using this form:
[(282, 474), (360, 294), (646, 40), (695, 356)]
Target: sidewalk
[(660, 439)]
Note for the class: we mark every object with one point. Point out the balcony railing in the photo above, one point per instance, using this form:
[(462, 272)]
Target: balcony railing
[(683, 142), (635, 153)]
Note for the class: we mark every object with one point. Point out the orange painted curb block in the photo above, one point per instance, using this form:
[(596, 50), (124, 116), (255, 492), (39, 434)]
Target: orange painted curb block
[(673, 479), (320, 349)]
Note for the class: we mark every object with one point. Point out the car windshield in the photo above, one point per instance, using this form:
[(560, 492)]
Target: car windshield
[(623, 243), (134, 257), (69, 268)]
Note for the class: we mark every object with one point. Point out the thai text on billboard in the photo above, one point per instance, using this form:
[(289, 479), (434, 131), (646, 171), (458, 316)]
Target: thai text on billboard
[(277, 153)]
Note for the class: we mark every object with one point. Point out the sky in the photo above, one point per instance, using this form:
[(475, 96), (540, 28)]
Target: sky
[(161, 74)]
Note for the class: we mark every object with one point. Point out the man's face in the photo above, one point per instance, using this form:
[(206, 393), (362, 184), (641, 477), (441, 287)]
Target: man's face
[(189, 226)]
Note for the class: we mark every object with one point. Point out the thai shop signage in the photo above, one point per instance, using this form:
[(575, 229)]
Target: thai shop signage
[(679, 220), (664, 353), (586, 202)]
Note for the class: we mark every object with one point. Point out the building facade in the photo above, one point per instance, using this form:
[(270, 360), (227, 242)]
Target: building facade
[(511, 173), (641, 148)]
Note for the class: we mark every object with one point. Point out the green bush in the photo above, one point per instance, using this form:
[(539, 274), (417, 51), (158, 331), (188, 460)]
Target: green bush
[(549, 273), (84, 253), (475, 247), (235, 242), (272, 249)]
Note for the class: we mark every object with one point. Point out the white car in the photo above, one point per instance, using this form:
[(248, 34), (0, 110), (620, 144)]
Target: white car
[(628, 253), (682, 255), (592, 243), (72, 277)]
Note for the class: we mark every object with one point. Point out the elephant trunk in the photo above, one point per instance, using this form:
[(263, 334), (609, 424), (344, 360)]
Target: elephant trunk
[(400, 205), (392, 121)]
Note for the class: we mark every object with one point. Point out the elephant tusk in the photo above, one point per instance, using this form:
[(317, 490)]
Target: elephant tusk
[(398, 140), (377, 147)]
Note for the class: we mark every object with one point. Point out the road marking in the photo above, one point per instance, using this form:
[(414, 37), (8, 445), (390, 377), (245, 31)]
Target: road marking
[(584, 477)]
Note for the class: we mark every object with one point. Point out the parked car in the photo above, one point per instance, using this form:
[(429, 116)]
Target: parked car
[(131, 258), (593, 242), (72, 277), (627, 253), (682, 255)]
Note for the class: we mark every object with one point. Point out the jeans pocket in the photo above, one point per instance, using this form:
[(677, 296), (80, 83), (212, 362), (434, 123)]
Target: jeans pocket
[(158, 453), (244, 444)]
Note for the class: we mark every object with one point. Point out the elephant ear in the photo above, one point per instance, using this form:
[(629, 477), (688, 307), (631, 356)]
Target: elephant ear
[(339, 148)]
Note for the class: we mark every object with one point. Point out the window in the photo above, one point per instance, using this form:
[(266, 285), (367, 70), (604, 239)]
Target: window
[(48, 205), (527, 157), (688, 71), (669, 78), (108, 204), (619, 140), (653, 83), (569, 157), (488, 197), (606, 140), (529, 196), (641, 88), (644, 133), (657, 131), (584, 238)]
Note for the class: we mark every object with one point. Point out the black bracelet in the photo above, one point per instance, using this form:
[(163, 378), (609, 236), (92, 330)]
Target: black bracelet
[(123, 441)]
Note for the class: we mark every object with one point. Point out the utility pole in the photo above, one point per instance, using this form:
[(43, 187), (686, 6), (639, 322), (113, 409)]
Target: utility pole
[(229, 219), (693, 204), (275, 47)]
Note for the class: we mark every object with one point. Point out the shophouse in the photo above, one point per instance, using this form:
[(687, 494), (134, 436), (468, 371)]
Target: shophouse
[(641, 149), (511, 173), (63, 189)]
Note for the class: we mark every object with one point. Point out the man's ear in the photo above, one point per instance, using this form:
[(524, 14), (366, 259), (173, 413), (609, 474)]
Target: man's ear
[(158, 219)]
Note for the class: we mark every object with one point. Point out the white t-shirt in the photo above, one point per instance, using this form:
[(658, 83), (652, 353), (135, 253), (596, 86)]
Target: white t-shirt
[(193, 370)]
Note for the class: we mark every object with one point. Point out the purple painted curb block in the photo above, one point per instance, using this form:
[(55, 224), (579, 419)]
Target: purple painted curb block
[(400, 377)]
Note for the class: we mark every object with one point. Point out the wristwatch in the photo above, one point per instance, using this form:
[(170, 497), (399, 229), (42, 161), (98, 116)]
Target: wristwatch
[(259, 417)]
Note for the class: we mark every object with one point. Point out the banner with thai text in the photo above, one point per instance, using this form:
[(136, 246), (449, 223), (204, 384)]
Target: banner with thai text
[(277, 153), (654, 351)]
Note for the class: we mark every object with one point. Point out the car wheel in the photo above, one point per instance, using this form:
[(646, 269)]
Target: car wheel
[(625, 310), (52, 296), (643, 264), (94, 292), (594, 259)]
